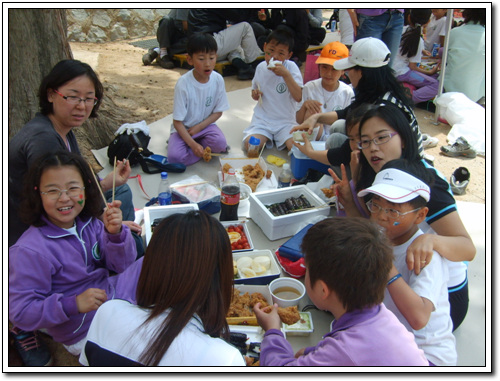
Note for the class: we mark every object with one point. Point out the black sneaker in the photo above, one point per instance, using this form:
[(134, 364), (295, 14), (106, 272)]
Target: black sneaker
[(459, 180), (460, 148), (166, 63), (245, 73), (149, 57), (31, 348)]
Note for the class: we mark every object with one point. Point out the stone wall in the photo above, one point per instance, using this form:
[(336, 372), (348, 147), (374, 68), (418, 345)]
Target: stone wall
[(104, 25)]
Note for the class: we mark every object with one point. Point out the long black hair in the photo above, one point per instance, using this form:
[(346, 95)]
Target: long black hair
[(411, 38)]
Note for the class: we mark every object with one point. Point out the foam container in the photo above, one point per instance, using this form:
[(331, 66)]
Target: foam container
[(151, 213), (300, 163), (276, 227), (271, 274)]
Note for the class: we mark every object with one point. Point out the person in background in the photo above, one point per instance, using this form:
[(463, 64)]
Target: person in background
[(326, 93), (235, 43), (183, 296), (384, 24), (172, 37), (60, 268), (277, 87), (347, 268), (346, 28), (399, 196), (407, 62), (316, 31), (199, 100), (435, 31), (466, 64)]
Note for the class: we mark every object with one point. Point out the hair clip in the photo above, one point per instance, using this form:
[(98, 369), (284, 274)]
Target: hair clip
[(35, 188)]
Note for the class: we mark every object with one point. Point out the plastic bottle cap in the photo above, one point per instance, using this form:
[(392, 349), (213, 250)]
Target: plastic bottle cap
[(286, 166), (231, 171), (164, 175), (254, 141)]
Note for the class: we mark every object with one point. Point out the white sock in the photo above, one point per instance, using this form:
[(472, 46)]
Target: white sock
[(162, 52)]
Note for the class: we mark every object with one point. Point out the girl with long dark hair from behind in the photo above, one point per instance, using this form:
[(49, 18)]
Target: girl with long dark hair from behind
[(183, 295)]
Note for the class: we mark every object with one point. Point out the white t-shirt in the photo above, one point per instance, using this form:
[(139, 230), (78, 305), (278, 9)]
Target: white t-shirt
[(435, 29), (401, 63), (436, 338), (195, 101), (116, 326)]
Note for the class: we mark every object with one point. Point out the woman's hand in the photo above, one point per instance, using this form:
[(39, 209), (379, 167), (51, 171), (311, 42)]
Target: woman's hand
[(112, 217), (419, 253), (136, 228), (305, 148), (267, 320), (90, 299)]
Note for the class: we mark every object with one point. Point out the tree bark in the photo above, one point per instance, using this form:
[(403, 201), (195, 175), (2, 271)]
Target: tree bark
[(37, 41)]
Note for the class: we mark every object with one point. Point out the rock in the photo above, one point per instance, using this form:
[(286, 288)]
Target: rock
[(96, 34), (101, 19), (118, 32)]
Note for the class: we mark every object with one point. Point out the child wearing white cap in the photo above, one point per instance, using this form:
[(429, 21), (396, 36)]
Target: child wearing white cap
[(398, 205), (326, 93)]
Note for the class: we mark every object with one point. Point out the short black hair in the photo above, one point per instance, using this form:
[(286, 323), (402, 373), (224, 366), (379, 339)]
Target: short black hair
[(352, 256), (201, 43), (355, 115), (282, 36), (63, 72), (476, 15)]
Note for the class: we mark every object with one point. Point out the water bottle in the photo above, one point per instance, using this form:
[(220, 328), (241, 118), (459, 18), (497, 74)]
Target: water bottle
[(229, 197), (285, 176), (164, 192), (253, 147)]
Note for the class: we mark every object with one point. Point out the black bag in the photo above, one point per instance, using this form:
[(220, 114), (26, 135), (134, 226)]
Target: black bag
[(134, 148), (129, 147)]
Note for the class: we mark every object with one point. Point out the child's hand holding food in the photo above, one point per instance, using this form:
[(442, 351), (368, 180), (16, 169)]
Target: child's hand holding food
[(267, 320)]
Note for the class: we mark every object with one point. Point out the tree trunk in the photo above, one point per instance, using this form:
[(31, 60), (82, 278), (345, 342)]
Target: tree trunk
[(37, 41)]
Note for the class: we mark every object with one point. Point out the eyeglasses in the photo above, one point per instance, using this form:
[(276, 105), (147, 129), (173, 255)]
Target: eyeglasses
[(363, 144), (55, 193), (393, 213), (76, 100)]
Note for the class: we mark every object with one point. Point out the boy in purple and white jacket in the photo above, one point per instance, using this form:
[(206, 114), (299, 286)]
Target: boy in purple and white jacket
[(347, 267)]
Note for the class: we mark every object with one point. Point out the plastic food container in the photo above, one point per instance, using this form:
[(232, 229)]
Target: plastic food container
[(227, 224), (268, 276), (276, 227), (304, 327), (154, 214), (300, 163)]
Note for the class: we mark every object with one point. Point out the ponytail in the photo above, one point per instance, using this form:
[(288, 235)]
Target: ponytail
[(411, 38)]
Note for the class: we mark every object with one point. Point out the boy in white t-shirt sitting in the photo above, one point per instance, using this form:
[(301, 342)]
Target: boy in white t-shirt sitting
[(435, 30), (277, 86), (199, 100), (326, 93), (420, 302)]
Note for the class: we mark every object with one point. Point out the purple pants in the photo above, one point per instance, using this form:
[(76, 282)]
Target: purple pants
[(179, 152), (427, 86)]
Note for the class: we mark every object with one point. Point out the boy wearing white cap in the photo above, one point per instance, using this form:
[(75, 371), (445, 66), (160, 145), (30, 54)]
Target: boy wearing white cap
[(398, 205), (326, 93)]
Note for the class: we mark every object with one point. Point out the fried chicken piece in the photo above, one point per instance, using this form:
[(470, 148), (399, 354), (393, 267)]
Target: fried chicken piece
[(328, 192), (207, 154), (269, 174), (226, 167), (289, 315), (257, 297)]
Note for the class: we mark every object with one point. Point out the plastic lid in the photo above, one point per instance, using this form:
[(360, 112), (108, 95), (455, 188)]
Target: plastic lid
[(164, 175), (254, 141), (231, 171), (286, 166)]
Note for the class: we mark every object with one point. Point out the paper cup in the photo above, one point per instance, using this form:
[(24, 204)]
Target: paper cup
[(287, 292)]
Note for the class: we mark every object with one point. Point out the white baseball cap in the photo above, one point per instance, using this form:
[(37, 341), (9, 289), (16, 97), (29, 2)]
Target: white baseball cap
[(397, 186), (366, 52)]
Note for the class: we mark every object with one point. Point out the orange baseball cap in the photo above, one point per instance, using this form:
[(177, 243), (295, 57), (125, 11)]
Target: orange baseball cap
[(332, 52)]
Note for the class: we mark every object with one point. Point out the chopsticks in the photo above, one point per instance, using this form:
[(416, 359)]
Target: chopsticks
[(114, 180), (98, 185)]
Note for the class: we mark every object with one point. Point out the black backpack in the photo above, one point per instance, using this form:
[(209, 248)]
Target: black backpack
[(133, 147)]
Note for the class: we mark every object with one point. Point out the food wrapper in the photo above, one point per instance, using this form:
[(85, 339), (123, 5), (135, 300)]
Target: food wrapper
[(196, 190)]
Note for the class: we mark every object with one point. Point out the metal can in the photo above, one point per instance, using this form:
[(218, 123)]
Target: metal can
[(435, 50)]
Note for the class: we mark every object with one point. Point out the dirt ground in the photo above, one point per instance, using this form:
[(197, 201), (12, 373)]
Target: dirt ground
[(148, 91)]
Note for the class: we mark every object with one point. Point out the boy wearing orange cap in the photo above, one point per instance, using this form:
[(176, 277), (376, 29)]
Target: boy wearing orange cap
[(326, 93)]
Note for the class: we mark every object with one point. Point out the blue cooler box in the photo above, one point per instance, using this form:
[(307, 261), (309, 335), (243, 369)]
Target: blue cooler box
[(301, 163)]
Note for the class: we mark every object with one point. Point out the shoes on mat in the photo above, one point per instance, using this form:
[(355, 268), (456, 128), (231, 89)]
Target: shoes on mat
[(429, 141), (31, 348), (459, 180), (149, 57), (460, 148), (166, 63), (246, 73)]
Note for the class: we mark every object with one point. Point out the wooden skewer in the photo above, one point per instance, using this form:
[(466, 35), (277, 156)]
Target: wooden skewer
[(217, 154), (114, 180), (98, 185)]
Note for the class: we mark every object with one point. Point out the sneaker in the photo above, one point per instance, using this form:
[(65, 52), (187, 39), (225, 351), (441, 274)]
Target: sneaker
[(166, 63), (245, 73), (429, 141), (460, 148), (459, 180), (149, 57), (31, 348)]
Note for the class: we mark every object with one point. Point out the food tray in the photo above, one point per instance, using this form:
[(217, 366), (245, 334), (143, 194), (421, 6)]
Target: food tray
[(250, 320), (151, 213), (239, 162), (271, 274), (226, 224), (300, 328)]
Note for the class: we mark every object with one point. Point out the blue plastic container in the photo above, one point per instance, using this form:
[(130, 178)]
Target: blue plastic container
[(300, 163)]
